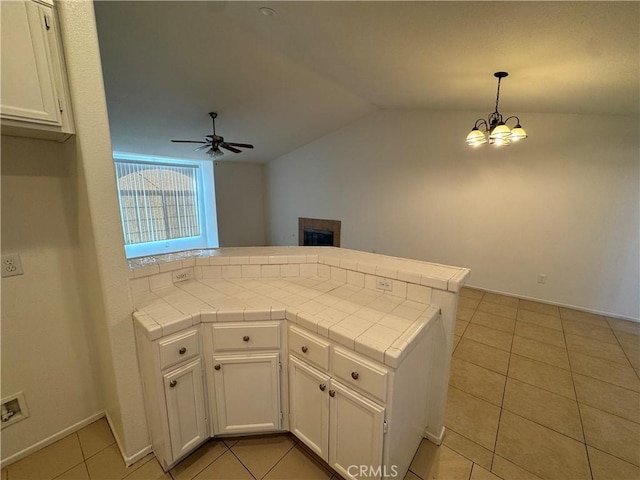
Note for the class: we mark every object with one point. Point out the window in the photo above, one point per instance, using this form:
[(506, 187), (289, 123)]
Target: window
[(166, 205)]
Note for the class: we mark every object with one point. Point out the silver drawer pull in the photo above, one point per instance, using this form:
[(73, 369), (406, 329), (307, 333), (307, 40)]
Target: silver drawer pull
[(304, 349), (173, 383), (217, 367), (182, 351), (332, 393), (355, 375), (245, 338), (322, 387)]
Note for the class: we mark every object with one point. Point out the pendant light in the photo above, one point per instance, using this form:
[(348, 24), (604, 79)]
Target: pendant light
[(494, 130)]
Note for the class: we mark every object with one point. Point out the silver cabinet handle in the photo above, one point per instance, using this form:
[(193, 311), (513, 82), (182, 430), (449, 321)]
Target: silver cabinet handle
[(322, 387), (332, 393), (217, 367), (245, 338), (355, 375), (182, 351), (173, 383), (304, 349)]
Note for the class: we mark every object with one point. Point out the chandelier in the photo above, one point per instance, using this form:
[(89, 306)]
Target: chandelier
[(494, 129)]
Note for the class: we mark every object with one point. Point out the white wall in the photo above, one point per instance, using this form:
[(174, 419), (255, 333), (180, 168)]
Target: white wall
[(105, 270), (240, 204), (565, 202), (48, 340)]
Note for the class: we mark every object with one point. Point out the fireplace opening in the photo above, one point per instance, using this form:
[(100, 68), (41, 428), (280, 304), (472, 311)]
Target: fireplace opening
[(320, 238), (318, 232)]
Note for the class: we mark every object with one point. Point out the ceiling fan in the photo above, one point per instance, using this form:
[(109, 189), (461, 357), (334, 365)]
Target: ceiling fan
[(215, 142)]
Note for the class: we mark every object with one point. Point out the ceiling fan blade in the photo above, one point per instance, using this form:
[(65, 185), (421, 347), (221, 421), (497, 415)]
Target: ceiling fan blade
[(226, 146), (187, 141), (243, 145)]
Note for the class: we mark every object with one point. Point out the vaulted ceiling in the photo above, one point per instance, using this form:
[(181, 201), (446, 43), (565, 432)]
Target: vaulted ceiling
[(282, 81)]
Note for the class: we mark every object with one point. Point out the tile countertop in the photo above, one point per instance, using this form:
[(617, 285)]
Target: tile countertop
[(377, 324), (434, 275)]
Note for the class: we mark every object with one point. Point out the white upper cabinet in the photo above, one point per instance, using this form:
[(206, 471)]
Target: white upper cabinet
[(34, 88)]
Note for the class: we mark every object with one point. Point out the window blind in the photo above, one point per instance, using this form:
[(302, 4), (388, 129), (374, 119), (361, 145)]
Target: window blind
[(157, 201)]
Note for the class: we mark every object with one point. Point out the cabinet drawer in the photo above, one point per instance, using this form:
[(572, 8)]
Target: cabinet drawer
[(309, 347), (246, 336), (360, 373), (179, 347)]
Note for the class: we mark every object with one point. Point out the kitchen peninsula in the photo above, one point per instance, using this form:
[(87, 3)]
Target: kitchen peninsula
[(350, 351)]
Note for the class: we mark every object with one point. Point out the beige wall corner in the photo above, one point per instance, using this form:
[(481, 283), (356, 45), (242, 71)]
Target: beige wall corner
[(240, 204)]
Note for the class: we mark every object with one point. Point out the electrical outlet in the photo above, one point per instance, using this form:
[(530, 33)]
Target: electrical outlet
[(182, 275), (384, 284), (542, 278), (11, 265)]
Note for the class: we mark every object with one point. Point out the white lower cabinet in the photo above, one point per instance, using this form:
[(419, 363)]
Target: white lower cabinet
[(343, 427), (356, 431), (309, 406), (172, 371), (185, 407), (247, 393), (364, 419), (243, 373)]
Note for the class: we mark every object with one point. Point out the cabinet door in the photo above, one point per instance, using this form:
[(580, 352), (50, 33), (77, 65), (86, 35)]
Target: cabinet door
[(185, 408), (247, 393), (356, 430), (28, 78), (309, 406)]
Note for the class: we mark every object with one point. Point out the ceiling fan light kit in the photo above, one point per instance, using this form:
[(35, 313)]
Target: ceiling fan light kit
[(494, 129), (217, 153), (215, 142)]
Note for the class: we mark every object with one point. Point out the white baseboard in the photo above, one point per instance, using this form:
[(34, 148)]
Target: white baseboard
[(128, 460), (49, 440), (557, 304), (433, 438)]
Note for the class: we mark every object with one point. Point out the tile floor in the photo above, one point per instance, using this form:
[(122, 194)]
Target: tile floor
[(536, 392), (92, 454)]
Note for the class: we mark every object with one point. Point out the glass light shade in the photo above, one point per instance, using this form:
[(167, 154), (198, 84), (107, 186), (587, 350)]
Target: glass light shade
[(501, 131), (215, 153), (475, 138), (500, 142), (518, 133)]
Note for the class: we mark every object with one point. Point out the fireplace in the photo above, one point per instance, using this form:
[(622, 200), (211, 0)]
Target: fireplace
[(318, 232)]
